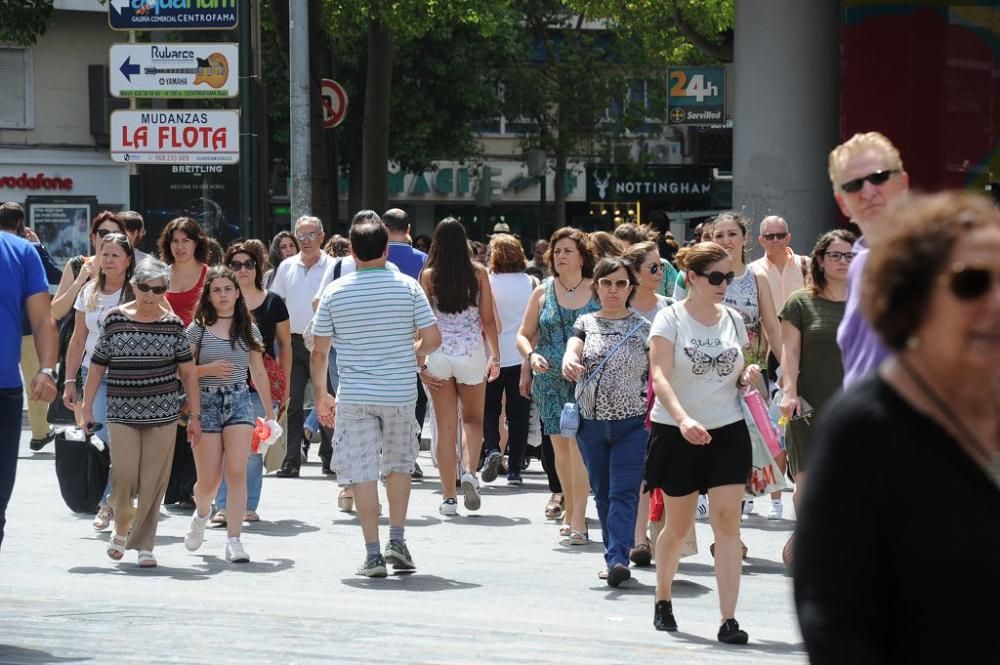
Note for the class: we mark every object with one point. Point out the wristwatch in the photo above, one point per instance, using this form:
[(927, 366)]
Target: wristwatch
[(49, 372)]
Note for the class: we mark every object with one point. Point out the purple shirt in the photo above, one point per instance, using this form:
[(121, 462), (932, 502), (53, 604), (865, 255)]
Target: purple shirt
[(861, 350)]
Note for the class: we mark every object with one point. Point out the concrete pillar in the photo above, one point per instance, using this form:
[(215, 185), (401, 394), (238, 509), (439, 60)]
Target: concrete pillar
[(786, 114)]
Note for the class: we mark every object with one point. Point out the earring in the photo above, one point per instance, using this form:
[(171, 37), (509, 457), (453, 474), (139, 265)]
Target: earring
[(913, 343)]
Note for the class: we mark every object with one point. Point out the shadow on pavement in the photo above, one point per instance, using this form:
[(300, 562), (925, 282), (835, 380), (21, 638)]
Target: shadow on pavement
[(768, 525), (488, 520), (35, 456), (280, 528), (757, 566), (409, 582), (11, 655), (763, 646), (210, 565), (411, 522)]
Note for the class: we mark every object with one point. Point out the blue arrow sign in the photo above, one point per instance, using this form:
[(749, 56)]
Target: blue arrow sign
[(127, 69), (172, 14)]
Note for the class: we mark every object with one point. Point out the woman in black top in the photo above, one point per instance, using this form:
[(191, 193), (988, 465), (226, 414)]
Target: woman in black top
[(271, 316), (902, 585)]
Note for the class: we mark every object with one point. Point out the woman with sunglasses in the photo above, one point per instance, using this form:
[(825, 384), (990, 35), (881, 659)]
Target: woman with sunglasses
[(144, 338), (810, 360), (223, 328), (110, 289), (271, 316), (699, 441), (925, 424), (80, 270), (644, 259), (607, 357)]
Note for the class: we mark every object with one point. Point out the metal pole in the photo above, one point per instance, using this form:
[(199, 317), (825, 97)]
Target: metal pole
[(301, 159), (247, 137)]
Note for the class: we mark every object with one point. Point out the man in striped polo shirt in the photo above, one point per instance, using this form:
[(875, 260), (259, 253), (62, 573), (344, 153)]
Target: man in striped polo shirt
[(379, 321)]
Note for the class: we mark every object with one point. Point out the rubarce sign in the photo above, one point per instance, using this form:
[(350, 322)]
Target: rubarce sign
[(680, 185)]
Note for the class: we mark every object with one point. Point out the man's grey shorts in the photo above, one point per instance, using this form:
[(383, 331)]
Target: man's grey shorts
[(370, 440)]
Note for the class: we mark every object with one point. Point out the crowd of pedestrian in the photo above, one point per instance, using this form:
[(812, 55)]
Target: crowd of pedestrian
[(638, 359)]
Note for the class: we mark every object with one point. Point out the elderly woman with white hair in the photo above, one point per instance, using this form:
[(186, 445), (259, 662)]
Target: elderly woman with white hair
[(142, 338)]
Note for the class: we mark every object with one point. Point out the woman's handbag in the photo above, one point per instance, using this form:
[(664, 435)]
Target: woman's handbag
[(81, 469), (275, 377), (58, 414), (765, 474), (569, 419)]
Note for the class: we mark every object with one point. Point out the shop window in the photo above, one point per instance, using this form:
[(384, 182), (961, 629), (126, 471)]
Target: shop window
[(16, 90)]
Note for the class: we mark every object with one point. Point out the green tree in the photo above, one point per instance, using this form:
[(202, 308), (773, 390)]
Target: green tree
[(24, 21)]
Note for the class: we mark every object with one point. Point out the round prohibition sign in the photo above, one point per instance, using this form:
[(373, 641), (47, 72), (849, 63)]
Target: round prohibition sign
[(333, 99)]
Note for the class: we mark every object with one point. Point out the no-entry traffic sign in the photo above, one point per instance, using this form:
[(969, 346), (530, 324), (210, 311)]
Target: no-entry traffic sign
[(333, 98)]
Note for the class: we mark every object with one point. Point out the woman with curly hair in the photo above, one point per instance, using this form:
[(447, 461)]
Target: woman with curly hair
[(545, 331), (456, 374), (223, 330)]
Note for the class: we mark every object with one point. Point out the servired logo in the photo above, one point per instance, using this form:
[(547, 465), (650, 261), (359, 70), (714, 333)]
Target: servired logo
[(39, 181)]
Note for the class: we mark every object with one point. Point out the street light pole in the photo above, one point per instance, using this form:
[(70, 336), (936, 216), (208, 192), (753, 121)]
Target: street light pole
[(298, 65)]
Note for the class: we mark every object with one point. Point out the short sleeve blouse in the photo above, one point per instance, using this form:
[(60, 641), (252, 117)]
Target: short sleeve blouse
[(618, 391)]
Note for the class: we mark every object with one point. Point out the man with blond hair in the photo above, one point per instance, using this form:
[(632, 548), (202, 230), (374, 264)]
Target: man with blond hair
[(867, 175)]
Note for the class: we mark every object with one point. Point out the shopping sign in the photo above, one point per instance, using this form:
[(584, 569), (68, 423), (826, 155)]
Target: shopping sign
[(696, 95), (190, 137), (172, 14), (333, 99), (175, 70)]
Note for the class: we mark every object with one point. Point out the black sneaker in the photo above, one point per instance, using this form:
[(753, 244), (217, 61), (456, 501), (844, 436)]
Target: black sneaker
[(374, 567), (730, 633), (38, 444), (288, 470), (514, 479), (618, 574), (491, 466), (663, 616), (417, 473), (398, 555)]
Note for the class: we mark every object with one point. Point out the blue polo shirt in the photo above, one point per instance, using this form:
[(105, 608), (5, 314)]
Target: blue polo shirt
[(23, 276), (410, 261)]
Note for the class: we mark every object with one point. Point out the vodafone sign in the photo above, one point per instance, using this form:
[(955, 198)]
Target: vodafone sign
[(37, 181), (175, 136)]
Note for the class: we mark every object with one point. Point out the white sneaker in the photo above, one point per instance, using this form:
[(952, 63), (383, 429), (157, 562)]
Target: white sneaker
[(747, 508), (777, 509), (235, 552), (470, 488), (196, 534), (702, 513), (449, 507)]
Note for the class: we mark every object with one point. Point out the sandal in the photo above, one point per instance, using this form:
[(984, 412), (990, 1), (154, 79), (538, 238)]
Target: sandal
[(116, 546), (345, 502), (711, 549), (146, 559), (251, 516), (565, 530), (579, 538), (641, 555), (554, 508)]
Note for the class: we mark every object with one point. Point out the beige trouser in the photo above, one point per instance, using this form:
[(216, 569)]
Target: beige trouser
[(140, 467), (38, 412)]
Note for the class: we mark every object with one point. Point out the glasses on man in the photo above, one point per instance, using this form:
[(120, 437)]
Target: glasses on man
[(307, 235), (618, 284), (236, 266), (877, 178), (838, 256), (781, 235), (716, 278), (146, 288), (968, 283)]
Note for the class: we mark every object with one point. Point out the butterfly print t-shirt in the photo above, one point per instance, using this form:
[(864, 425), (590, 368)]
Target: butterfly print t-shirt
[(707, 362)]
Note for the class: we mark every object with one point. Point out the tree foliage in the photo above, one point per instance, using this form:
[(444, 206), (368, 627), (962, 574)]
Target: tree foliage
[(24, 21)]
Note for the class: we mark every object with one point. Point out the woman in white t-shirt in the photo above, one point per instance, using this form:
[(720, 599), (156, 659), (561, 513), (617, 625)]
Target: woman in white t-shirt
[(512, 289), (699, 441)]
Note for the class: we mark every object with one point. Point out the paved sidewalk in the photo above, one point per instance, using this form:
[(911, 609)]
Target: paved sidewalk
[(491, 587)]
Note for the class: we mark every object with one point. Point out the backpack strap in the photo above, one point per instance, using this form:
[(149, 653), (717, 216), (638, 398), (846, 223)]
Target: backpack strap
[(338, 266)]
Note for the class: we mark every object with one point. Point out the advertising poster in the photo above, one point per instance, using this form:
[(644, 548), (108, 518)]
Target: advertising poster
[(62, 224), (209, 194)]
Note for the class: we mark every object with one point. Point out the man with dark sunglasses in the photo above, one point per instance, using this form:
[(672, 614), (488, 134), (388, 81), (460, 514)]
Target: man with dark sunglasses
[(867, 174), (781, 268)]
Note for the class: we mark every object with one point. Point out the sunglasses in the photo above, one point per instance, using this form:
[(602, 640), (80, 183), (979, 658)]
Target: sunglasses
[(715, 277), (837, 256), (102, 233), (311, 235), (971, 283), (619, 284), (654, 269), (146, 288), (236, 266), (877, 178), (775, 236)]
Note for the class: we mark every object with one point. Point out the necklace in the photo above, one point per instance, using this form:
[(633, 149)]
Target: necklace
[(223, 317), (992, 464), (571, 292)]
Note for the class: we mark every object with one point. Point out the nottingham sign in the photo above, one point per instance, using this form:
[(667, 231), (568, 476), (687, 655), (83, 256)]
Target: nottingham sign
[(172, 14), (676, 187)]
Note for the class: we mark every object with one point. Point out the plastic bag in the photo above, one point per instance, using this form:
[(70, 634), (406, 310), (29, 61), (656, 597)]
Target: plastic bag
[(765, 475), (759, 413), (265, 433)]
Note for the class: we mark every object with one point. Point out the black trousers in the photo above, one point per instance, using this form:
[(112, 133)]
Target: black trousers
[(296, 414), (518, 411)]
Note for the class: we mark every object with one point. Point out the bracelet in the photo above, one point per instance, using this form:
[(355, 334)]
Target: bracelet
[(530, 353), (196, 416), (423, 367)]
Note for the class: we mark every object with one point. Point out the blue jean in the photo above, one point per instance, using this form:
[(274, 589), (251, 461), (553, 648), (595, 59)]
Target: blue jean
[(614, 452), (11, 403), (312, 420), (100, 411), (255, 469)]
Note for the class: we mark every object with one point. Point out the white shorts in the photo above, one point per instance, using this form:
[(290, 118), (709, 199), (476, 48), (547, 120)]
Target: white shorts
[(468, 370)]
